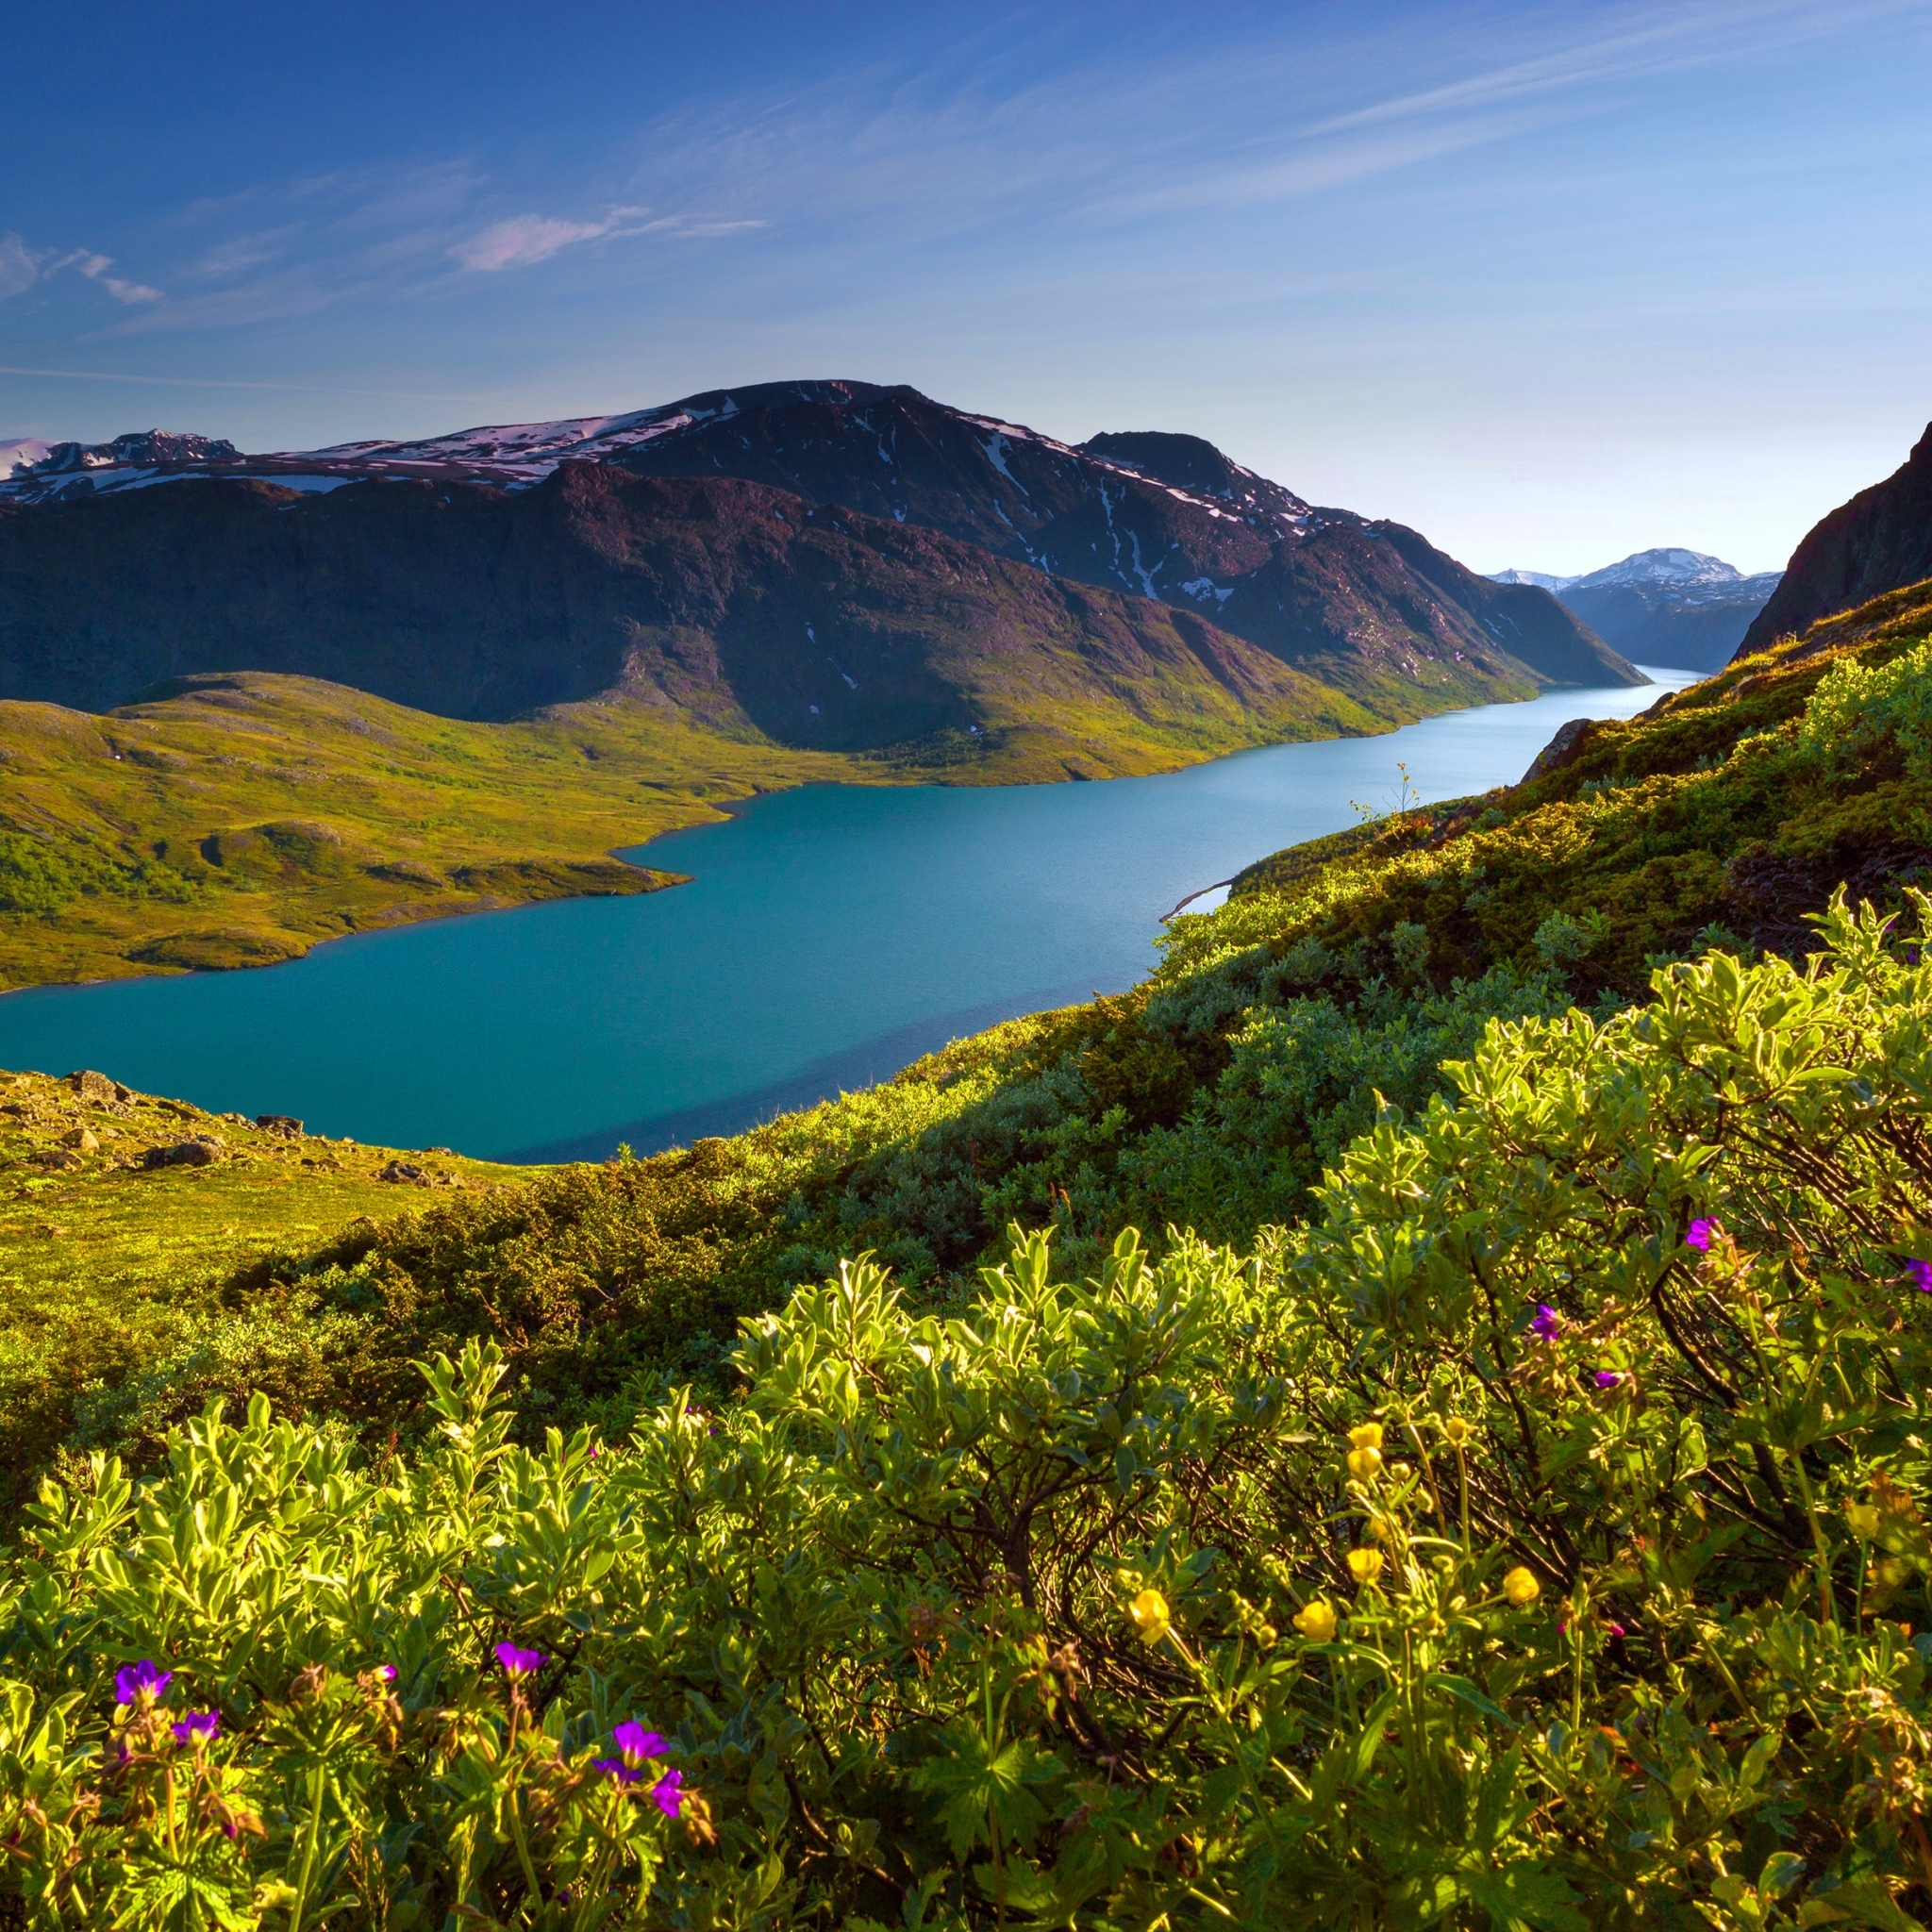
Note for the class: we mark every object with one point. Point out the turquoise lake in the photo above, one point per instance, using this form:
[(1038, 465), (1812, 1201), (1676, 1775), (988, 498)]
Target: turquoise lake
[(830, 936)]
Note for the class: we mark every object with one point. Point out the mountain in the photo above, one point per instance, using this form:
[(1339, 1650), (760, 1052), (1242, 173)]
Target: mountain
[(1880, 541), (717, 601), (1170, 518), (1155, 515), (1678, 607)]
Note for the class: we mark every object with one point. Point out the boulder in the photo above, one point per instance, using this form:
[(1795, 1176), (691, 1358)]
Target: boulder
[(1563, 749), (285, 1125), (403, 1171), (204, 1150), (80, 1139), (98, 1089)]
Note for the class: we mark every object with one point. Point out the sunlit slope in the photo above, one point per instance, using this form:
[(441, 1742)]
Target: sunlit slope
[(1340, 979), (239, 819), (1708, 810)]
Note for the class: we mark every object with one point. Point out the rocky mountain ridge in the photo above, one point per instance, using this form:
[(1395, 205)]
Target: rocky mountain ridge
[(1368, 608), (726, 603)]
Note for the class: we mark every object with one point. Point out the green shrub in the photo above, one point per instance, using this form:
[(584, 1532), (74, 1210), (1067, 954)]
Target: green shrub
[(38, 876), (1858, 704), (1529, 1541)]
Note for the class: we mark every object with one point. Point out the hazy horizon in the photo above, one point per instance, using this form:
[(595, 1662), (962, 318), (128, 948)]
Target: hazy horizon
[(1552, 285)]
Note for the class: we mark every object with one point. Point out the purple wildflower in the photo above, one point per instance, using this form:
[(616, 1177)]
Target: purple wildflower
[(1545, 1322), (615, 1767), (143, 1682), (1920, 1273), (665, 1794), (517, 1663), (386, 1672), (1612, 1626), (198, 1727), (1698, 1235), (637, 1743), (1610, 1378)]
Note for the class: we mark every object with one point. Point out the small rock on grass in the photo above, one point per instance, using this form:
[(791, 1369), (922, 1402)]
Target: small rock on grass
[(203, 1150)]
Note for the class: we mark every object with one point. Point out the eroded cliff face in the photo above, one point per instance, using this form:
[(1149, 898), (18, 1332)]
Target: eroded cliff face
[(1880, 541)]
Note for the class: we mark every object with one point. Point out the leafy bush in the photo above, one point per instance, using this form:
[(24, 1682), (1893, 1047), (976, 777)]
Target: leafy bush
[(1858, 706), (39, 876), (1525, 1542)]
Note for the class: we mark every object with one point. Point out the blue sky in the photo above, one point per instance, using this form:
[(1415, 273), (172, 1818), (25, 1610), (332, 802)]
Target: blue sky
[(1550, 283)]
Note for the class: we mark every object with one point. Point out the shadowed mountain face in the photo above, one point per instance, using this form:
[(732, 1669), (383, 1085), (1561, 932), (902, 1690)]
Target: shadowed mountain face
[(1880, 541), (1153, 515), (727, 603), (490, 570)]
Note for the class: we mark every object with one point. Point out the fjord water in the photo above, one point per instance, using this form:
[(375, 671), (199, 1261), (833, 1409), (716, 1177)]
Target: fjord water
[(829, 935)]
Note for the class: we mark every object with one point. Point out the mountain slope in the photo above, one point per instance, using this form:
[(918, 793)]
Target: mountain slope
[(717, 602), (1677, 607), (1145, 514), (1154, 515), (1880, 541)]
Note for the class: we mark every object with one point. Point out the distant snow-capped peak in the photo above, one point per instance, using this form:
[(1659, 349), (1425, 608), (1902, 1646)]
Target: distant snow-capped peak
[(1660, 567), (1689, 570)]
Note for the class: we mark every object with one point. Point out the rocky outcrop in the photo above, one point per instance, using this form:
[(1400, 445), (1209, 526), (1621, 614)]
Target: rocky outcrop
[(1880, 541)]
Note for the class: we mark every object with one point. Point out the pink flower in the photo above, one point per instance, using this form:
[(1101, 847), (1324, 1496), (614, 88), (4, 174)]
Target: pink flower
[(1610, 1378), (517, 1663), (1920, 1273), (198, 1727), (386, 1672), (665, 1794), (1698, 1235), (1545, 1322)]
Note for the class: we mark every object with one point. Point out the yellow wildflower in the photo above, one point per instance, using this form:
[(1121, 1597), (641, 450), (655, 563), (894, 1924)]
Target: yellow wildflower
[(1365, 1565), (1364, 1462), (1457, 1429), (1316, 1622), (1368, 1437), (1863, 1517), (1520, 1587), (1151, 1616)]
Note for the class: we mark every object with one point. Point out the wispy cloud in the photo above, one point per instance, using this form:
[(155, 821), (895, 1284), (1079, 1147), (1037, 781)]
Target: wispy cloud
[(21, 267), (95, 267), (524, 239)]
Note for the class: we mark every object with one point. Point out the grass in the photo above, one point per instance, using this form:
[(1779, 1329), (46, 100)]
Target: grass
[(105, 1262), (247, 816)]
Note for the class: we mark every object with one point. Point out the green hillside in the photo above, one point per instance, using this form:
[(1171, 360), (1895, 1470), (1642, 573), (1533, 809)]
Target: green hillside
[(243, 818), (1488, 1491), (1212, 1096)]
